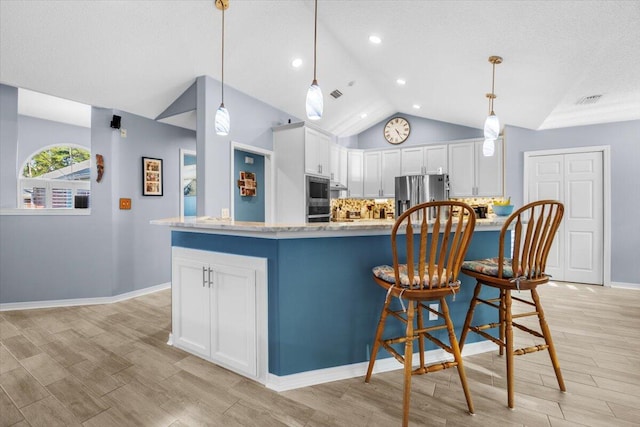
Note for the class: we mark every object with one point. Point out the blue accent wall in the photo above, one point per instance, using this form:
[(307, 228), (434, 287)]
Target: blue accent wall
[(323, 303), (249, 208)]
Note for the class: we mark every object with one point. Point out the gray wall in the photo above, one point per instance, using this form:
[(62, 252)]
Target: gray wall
[(109, 252), (423, 131), (624, 139), (34, 134), (8, 145)]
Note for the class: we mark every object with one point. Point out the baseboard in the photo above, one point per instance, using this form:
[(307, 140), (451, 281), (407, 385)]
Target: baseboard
[(319, 376), (29, 305), (623, 285)]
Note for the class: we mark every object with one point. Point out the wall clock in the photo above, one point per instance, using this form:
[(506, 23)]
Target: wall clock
[(397, 130)]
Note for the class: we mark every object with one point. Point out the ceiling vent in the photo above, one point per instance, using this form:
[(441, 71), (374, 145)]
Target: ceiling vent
[(586, 100), (336, 94)]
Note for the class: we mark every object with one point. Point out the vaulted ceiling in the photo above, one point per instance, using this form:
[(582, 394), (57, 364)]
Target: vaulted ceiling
[(139, 56)]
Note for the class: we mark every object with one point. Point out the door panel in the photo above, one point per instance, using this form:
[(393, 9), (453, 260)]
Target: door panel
[(584, 218), (191, 305), (233, 316), (546, 182)]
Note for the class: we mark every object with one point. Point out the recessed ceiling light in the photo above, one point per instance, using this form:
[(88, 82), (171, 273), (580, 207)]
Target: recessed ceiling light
[(363, 115), (375, 39), (296, 63), (416, 106), (401, 82)]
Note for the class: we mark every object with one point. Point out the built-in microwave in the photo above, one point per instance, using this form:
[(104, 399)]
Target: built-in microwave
[(318, 199)]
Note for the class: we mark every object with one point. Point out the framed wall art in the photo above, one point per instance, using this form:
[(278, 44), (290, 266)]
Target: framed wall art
[(247, 184), (151, 176)]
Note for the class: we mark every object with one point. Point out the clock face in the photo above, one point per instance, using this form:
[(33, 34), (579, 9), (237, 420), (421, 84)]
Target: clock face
[(397, 130)]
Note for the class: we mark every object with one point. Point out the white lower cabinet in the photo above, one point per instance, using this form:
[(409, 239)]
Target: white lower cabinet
[(219, 309)]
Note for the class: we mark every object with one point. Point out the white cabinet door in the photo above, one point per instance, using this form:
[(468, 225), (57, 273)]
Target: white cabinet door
[(338, 164), (412, 161), (316, 154), (334, 163), (473, 174), (489, 171), (355, 176), (435, 158), (342, 171), (219, 309), (390, 166), (461, 169), (372, 174), (233, 318), (190, 305)]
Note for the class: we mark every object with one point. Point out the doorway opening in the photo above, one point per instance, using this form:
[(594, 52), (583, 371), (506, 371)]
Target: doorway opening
[(252, 183)]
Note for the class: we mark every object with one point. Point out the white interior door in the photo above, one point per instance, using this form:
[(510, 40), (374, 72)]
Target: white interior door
[(546, 181), (583, 218), (575, 179)]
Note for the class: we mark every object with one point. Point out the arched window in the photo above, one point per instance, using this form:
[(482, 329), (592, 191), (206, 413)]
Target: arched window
[(53, 177)]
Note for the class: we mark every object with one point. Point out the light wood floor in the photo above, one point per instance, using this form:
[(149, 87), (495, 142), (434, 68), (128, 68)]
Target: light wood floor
[(108, 365)]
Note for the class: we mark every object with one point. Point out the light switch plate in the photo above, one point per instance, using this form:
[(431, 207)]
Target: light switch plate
[(125, 204)]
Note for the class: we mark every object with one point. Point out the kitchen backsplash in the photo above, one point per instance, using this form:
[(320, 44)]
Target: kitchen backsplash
[(343, 209), (475, 201)]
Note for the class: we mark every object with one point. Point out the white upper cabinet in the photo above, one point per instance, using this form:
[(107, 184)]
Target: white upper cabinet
[(355, 175), (473, 174), (380, 171), (338, 164), (316, 153), (436, 159), (424, 160)]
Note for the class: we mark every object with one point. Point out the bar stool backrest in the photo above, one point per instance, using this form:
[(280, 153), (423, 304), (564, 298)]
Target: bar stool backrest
[(534, 226), (437, 263)]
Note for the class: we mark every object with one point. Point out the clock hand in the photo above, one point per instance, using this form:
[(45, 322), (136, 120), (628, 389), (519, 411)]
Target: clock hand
[(398, 133)]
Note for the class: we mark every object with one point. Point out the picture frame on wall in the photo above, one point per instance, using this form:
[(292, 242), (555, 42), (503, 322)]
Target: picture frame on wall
[(151, 176)]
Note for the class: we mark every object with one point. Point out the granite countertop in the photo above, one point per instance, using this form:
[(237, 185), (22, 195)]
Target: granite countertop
[(358, 227)]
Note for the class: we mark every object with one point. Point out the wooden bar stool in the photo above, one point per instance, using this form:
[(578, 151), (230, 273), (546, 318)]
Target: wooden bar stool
[(534, 227), (436, 264)]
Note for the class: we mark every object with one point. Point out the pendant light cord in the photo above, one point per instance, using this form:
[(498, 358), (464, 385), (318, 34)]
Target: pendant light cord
[(222, 85), (493, 90), (315, 39)]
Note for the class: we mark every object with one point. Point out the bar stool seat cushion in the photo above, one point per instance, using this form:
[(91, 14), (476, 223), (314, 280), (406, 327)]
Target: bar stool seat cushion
[(489, 267), (387, 273)]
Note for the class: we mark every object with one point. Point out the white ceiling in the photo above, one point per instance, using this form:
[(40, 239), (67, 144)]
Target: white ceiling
[(139, 56)]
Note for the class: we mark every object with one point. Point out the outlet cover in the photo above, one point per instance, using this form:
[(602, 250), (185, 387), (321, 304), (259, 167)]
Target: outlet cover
[(123, 133), (225, 213), (125, 204)]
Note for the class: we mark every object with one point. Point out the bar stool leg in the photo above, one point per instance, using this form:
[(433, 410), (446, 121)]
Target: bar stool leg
[(408, 358), (547, 338), (420, 336), (509, 346), (457, 355), (469, 318), (378, 338), (501, 312)]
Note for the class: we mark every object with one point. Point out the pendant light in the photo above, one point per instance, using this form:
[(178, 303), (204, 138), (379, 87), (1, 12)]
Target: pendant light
[(491, 124), (223, 121), (314, 95)]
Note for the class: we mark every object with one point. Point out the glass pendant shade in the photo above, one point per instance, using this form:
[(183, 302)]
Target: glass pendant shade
[(488, 147), (223, 121), (491, 127), (315, 103)]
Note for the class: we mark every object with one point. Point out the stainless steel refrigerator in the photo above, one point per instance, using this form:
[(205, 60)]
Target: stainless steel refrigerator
[(412, 190)]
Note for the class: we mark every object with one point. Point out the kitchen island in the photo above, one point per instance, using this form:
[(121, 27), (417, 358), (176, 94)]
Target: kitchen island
[(292, 305)]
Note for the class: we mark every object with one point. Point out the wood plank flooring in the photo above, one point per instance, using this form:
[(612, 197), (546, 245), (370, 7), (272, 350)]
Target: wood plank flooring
[(108, 365)]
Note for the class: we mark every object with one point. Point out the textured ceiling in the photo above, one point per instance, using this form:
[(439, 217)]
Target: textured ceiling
[(139, 56)]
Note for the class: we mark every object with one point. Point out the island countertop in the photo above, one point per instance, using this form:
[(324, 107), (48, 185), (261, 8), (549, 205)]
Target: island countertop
[(205, 224)]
